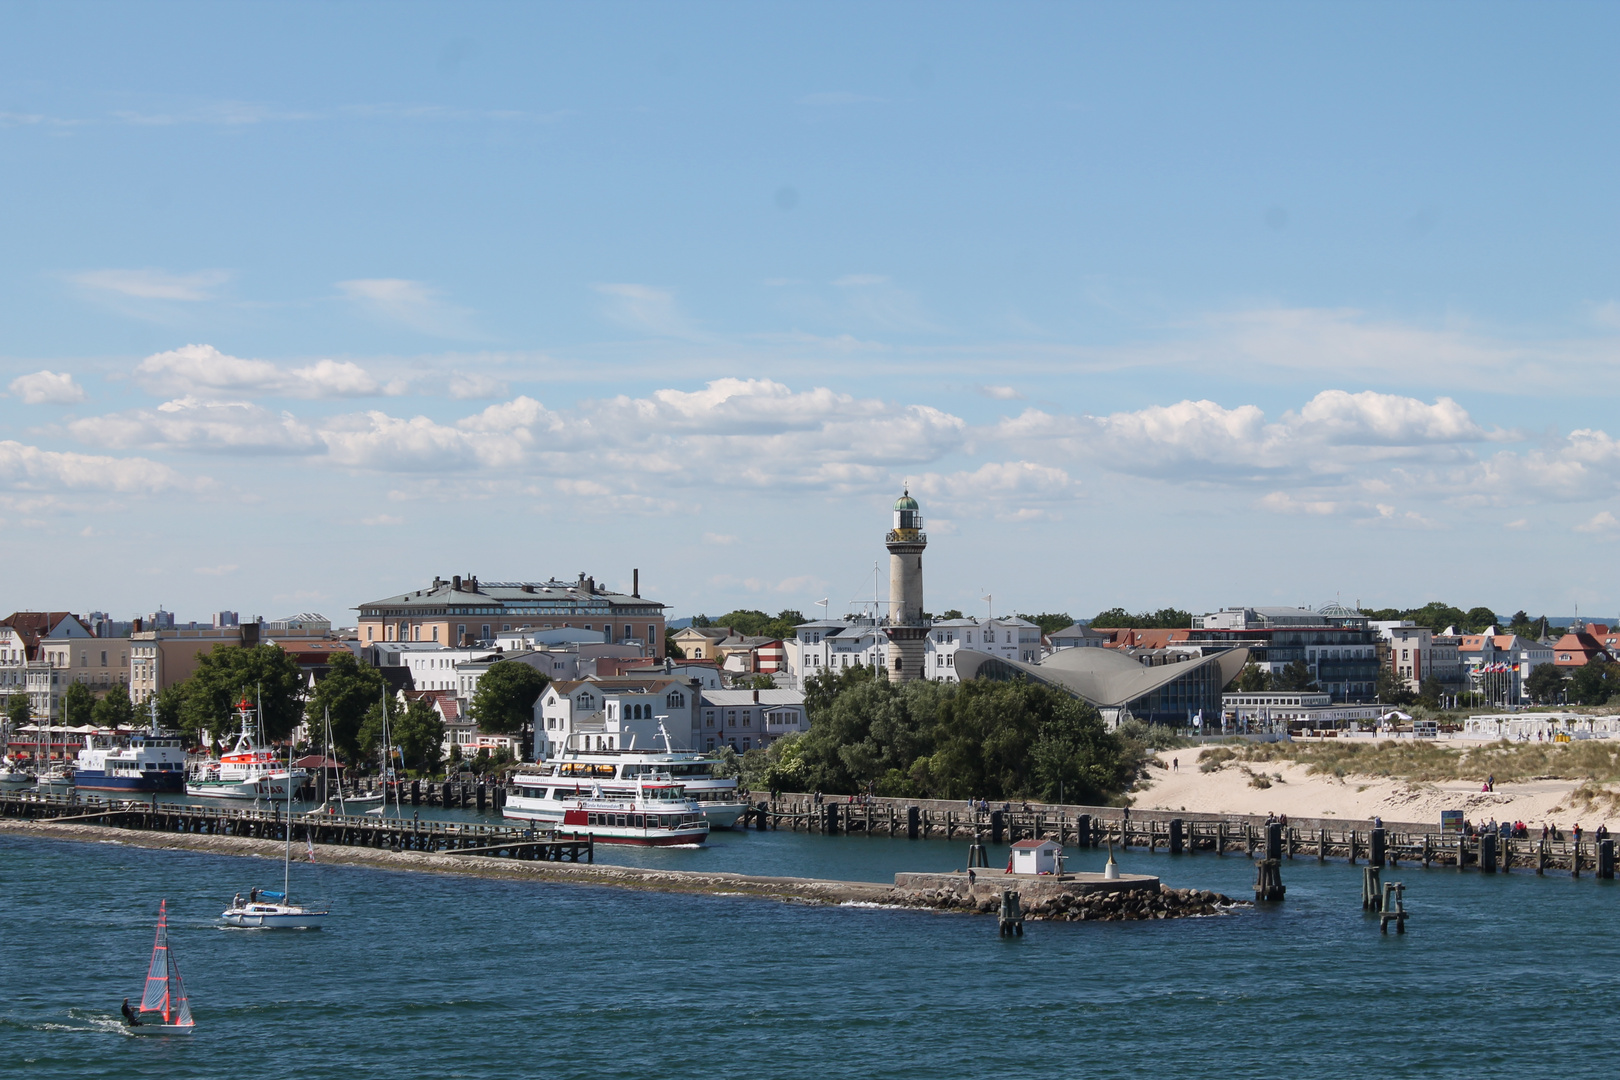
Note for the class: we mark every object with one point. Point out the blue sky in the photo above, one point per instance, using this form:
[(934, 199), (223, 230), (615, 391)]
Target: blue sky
[(1159, 304)]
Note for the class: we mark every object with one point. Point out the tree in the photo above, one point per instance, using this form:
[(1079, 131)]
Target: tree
[(350, 690), (114, 710), (1295, 676), (504, 703), (1594, 682), (1253, 679), (1392, 689), (77, 703), (419, 734), (1430, 691), (751, 623), (952, 613), (1477, 619), (1049, 623), (822, 689), (1544, 683), (672, 650), (761, 682), (19, 711), (228, 674), (700, 622), (1163, 619)]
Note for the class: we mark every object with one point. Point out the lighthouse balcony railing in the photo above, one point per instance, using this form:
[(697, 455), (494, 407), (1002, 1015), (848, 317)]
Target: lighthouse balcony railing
[(906, 536)]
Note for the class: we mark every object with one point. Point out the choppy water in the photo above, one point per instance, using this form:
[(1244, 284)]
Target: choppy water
[(424, 975)]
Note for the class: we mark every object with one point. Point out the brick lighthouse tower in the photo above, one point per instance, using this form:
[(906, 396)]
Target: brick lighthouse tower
[(908, 628)]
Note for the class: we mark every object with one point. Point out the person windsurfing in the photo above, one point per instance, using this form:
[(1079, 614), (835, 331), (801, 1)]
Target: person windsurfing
[(129, 1015)]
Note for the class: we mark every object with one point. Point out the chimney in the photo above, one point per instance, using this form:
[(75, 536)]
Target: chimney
[(136, 626), (455, 582), (590, 586), (756, 697), (635, 583)]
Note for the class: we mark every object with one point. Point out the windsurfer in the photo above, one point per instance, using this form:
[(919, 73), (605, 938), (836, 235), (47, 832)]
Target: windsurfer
[(129, 1015)]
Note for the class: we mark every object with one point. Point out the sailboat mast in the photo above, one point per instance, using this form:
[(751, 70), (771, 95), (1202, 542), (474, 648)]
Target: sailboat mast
[(286, 848)]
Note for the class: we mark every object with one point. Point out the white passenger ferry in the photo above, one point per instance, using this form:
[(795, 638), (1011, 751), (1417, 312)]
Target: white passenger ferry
[(247, 771), (654, 812), (615, 773)]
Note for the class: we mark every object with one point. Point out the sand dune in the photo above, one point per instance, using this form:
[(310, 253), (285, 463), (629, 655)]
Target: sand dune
[(1297, 793)]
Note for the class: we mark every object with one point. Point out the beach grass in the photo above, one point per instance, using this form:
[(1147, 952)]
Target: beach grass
[(1420, 760)]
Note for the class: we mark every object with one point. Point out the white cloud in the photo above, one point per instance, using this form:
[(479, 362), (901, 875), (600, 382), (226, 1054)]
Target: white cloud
[(645, 308), (383, 520), (1601, 522), (30, 468), (154, 284), (47, 388), (1387, 419), (465, 386), (204, 370), (721, 539), (189, 423), (412, 304), (1001, 393), (216, 571), (859, 281)]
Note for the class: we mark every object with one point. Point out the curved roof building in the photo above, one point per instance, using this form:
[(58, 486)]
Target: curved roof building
[(1116, 682)]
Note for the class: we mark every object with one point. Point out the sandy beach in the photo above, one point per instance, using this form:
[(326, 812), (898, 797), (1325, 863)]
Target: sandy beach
[(1297, 792)]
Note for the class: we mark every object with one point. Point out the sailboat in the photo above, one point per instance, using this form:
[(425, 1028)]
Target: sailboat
[(267, 910), (387, 750), (165, 992)]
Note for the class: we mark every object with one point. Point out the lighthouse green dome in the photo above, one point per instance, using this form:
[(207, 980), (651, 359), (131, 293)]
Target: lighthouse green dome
[(905, 502)]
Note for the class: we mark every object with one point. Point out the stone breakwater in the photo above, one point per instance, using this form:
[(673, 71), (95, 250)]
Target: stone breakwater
[(1115, 905), (1071, 898)]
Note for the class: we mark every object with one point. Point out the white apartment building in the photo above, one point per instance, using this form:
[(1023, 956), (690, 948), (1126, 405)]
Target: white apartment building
[(589, 715), (836, 644), (748, 719)]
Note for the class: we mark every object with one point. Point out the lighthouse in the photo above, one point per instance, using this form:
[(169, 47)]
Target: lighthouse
[(908, 627)]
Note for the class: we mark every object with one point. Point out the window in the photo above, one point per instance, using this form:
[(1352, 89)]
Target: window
[(461, 631), (748, 716), (708, 721), (731, 718), (435, 638), (652, 634)]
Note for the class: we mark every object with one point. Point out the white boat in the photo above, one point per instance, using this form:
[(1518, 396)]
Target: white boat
[(654, 812), (57, 778), (247, 771), (266, 910), (165, 992), (13, 775), (145, 761), (615, 772)]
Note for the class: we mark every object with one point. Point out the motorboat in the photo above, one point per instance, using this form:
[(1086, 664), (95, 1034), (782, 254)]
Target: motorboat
[(146, 761), (654, 811), (247, 771), (616, 772)]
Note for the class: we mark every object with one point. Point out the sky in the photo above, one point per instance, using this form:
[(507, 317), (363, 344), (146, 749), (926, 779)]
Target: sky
[(1174, 304)]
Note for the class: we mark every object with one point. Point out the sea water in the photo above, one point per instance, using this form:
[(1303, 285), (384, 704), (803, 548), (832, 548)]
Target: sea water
[(427, 975)]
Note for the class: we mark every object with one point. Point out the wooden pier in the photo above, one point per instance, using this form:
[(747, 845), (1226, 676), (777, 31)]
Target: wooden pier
[(1094, 827), (346, 830)]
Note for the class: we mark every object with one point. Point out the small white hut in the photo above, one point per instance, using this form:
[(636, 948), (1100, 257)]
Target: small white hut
[(1034, 857)]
